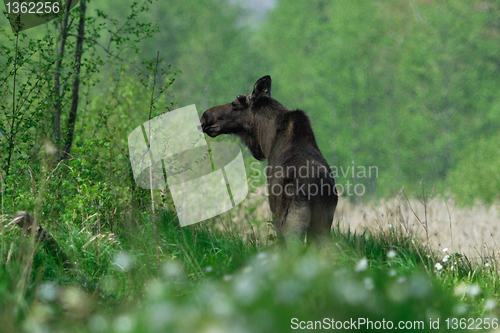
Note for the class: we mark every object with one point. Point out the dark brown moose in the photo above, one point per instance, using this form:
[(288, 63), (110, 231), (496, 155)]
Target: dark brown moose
[(301, 188)]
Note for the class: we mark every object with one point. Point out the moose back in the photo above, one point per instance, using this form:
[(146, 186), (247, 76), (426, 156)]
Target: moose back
[(302, 193)]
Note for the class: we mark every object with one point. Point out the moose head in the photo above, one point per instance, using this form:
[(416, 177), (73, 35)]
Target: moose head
[(238, 116)]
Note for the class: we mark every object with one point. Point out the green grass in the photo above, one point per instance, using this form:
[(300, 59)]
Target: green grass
[(212, 280)]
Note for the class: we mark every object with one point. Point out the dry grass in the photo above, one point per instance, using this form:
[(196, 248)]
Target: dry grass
[(470, 231)]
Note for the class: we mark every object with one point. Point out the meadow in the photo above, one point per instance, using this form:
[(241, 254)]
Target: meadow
[(228, 275), (406, 91)]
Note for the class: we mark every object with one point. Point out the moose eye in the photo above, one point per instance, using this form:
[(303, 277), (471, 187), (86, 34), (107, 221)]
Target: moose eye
[(242, 99)]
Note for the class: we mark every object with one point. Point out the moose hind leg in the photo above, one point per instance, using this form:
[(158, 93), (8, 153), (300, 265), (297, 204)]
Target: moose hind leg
[(321, 224), (296, 222)]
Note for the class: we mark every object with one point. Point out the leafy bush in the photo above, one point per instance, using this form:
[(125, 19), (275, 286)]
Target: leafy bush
[(477, 174)]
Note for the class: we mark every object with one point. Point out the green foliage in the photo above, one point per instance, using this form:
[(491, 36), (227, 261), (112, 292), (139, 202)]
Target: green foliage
[(211, 278), (273, 289), (114, 267), (403, 86), (207, 42), (476, 176), (407, 87)]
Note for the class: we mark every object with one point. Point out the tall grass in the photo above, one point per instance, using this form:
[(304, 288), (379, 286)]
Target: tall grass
[(226, 274), (213, 280), (112, 268)]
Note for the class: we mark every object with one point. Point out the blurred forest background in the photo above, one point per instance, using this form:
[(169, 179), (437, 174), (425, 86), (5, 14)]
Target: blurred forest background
[(411, 87)]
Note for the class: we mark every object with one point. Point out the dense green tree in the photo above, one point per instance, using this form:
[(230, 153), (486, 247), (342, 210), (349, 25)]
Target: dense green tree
[(207, 44), (408, 87), (403, 86)]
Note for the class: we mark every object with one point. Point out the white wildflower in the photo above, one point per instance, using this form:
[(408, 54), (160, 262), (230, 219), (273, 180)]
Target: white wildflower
[(47, 292), (123, 324), (172, 269), (460, 289), (474, 290), (123, 261), (490, 304), (262, 255), (246, 288), (368, 282), (460, 309), (362, 265), (98, 323)]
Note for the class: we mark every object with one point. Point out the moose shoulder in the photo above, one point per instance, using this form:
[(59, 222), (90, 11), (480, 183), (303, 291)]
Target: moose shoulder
[(302, 193)]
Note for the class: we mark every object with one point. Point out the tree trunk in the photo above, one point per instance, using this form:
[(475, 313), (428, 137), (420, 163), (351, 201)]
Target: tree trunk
[(57, 75), (76, 82)]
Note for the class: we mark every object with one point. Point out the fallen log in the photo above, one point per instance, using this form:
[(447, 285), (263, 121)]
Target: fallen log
[(25, 221)]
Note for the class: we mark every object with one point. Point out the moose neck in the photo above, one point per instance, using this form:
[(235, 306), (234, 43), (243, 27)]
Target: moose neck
[(265, 134), (261, 134)]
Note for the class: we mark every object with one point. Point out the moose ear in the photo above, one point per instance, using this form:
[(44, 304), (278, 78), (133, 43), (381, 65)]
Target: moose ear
[(262, 87), (241, 98)]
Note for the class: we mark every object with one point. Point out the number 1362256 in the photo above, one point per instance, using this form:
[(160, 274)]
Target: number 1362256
[(15, 7)]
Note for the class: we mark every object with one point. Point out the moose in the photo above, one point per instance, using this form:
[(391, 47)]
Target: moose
[(302, 194)]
